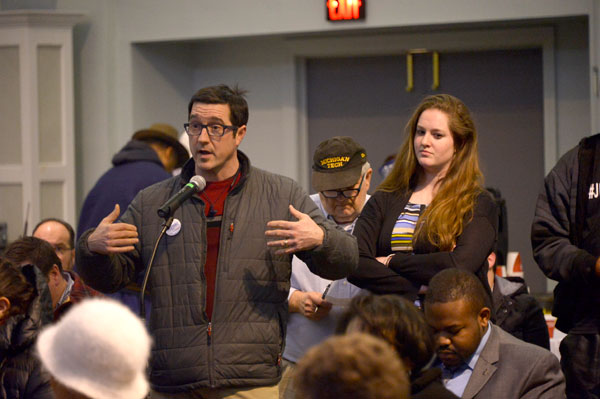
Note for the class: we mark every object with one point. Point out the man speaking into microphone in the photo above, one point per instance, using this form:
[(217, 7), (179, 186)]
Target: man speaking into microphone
[(220, 279)]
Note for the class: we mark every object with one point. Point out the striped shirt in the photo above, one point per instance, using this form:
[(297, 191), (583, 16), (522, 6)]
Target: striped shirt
[(404, 229)]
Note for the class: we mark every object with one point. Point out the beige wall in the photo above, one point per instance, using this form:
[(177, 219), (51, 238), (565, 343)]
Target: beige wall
[(138, 62), (113, 99)]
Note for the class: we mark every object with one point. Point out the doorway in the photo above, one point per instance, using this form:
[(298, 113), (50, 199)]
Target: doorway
[(366, 98)]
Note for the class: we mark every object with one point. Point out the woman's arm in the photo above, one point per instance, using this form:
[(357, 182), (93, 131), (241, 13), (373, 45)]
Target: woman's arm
[(372, 274), (472, 247)]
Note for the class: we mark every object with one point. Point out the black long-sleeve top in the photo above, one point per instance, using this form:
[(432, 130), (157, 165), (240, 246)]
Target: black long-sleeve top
[(408, 271)]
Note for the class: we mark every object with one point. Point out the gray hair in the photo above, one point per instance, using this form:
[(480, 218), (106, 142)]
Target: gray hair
[(365, 168)]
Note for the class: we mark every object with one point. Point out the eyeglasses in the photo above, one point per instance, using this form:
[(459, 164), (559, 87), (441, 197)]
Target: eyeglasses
[(213, 129), (346, 193)]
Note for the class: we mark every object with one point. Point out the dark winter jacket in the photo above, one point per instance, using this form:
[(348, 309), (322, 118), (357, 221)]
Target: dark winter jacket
[(21, 373), (519, 313), (242, 345), (135, 167), (407, 271), (555, 234)]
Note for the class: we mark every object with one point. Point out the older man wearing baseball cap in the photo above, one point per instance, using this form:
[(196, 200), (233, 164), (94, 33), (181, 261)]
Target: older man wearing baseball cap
[(341, 175)]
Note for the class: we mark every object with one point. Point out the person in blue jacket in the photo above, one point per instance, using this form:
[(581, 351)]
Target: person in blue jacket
[(149, 157)]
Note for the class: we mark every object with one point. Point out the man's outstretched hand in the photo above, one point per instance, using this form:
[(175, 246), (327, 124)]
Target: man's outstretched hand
[(291, 237), (110, 237)]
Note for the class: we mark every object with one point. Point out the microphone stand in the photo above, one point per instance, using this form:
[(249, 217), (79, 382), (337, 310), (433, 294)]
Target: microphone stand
[(165, 227)]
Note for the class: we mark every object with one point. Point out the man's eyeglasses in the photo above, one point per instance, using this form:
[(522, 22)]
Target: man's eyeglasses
[(346, 193), (213, 129)]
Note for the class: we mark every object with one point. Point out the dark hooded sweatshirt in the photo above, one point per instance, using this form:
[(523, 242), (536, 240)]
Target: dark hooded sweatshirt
[(136, 167)]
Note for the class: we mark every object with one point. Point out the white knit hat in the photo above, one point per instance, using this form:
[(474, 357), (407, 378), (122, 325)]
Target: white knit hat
[(100, 349)]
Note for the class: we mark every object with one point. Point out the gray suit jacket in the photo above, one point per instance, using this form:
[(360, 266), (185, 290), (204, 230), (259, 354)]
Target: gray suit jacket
[(510, 368)]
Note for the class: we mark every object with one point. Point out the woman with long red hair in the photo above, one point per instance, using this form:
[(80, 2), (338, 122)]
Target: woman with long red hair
[(431, 212)]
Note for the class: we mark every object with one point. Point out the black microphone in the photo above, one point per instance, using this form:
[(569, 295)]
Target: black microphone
[(196, 184)]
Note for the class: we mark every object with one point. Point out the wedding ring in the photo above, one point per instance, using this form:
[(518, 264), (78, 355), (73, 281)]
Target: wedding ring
[(285, 243)]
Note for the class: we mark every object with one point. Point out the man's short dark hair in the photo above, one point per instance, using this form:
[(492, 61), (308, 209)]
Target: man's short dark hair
[(453, 284), (65, 224), (35, 251), (223, 94), (397, 321)]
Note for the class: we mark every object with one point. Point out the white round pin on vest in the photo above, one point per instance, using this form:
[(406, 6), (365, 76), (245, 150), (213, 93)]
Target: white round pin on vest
[(175, 228)]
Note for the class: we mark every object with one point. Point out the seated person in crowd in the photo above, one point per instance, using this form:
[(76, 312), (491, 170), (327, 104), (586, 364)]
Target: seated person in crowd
[(342, 192), (61, 236), (357, 366), (516, 311), (66, 287), (24, 308), (401, 324), (478, 359), (99, 350)]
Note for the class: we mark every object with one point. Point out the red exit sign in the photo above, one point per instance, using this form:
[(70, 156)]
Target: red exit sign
[(345, 10)]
